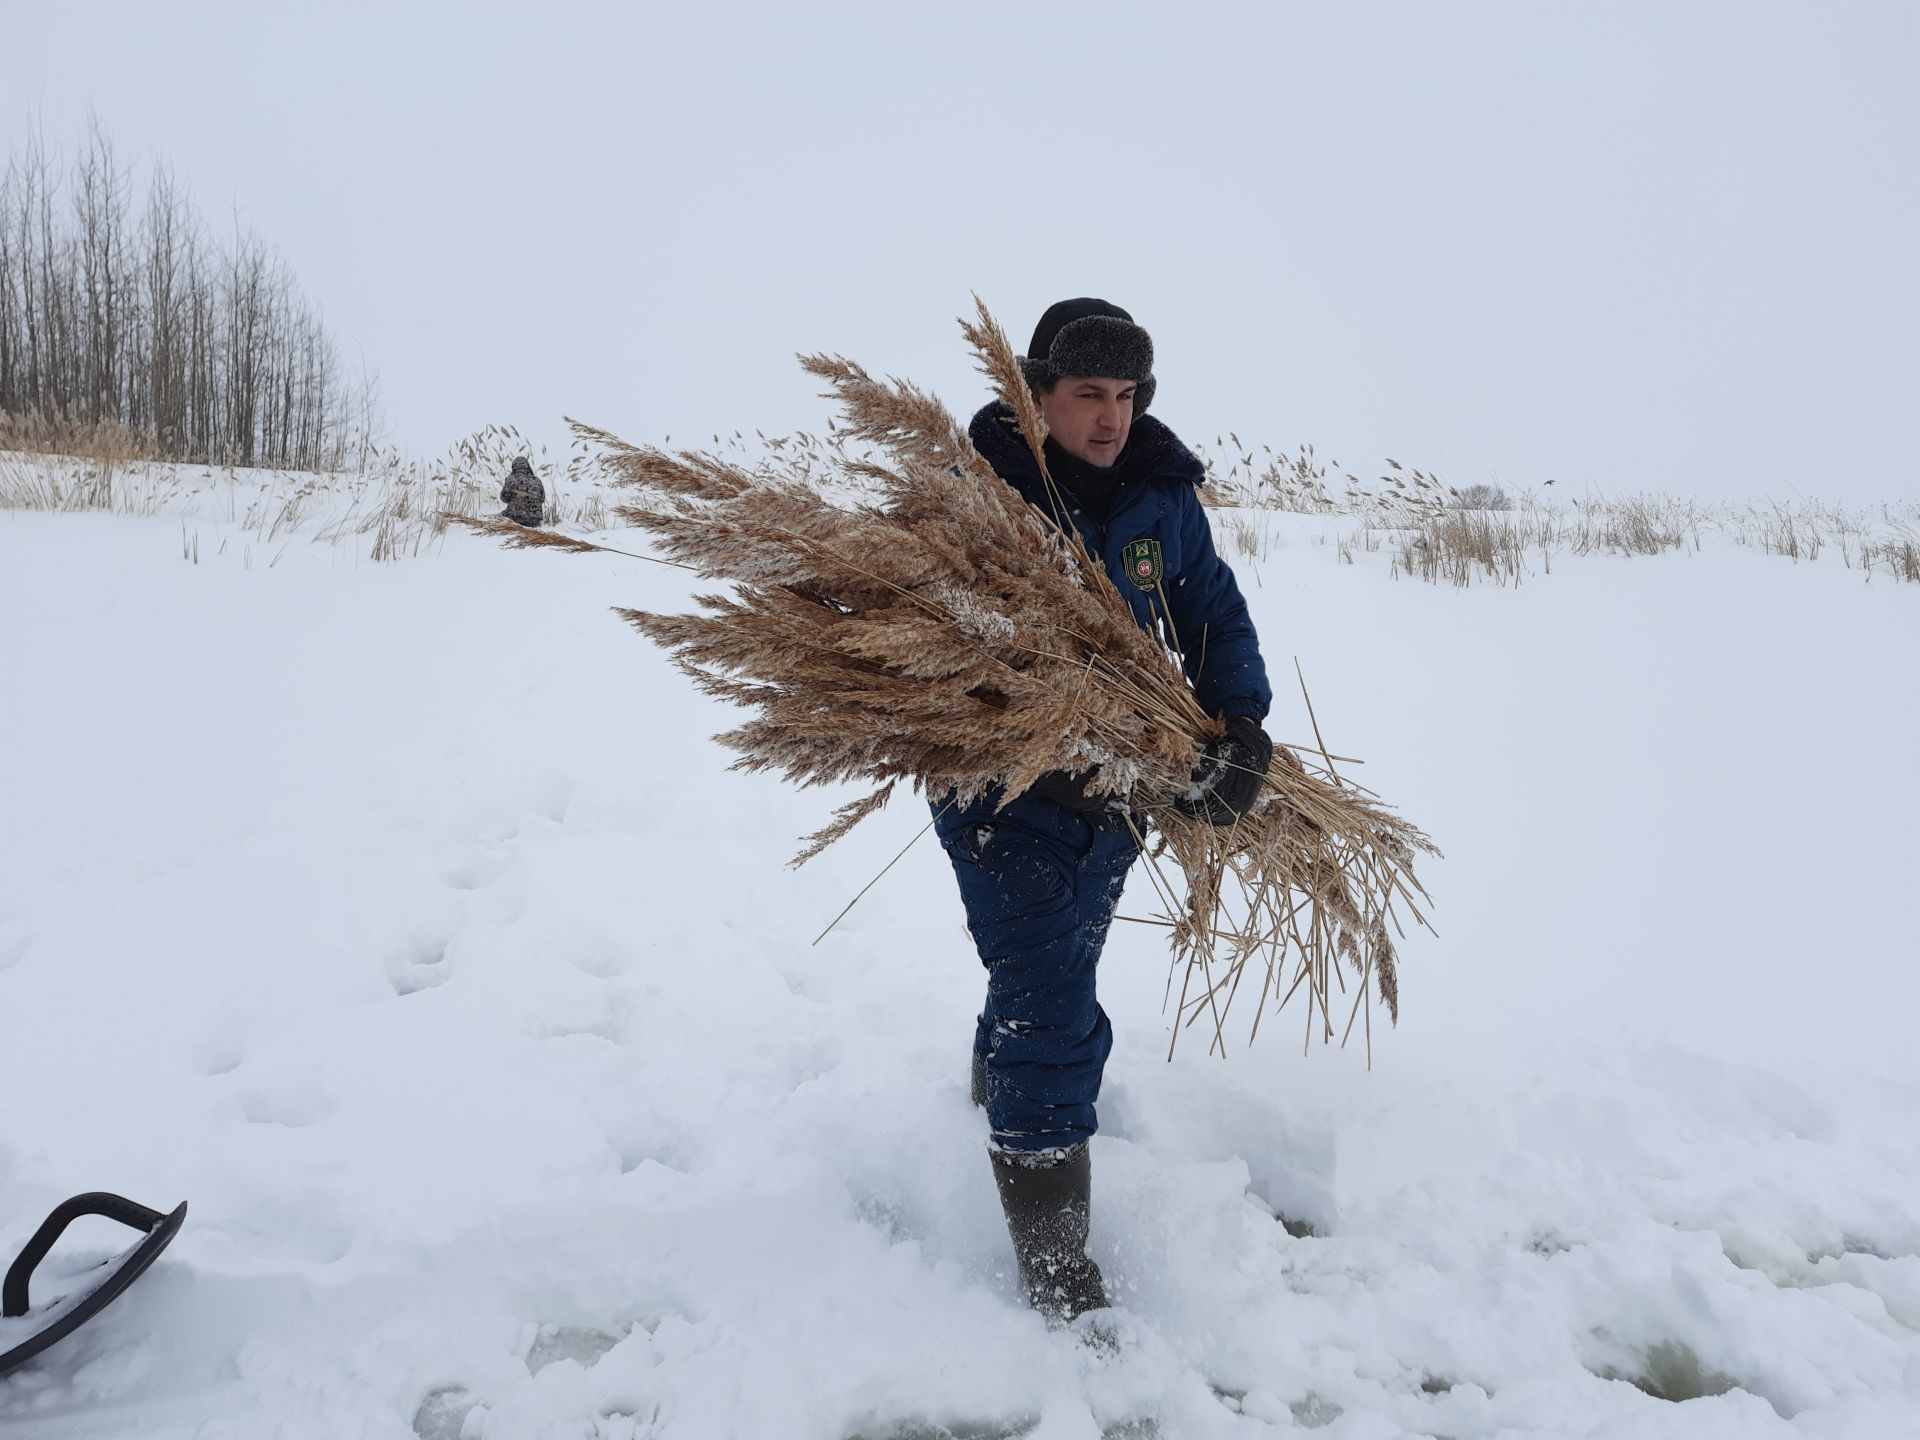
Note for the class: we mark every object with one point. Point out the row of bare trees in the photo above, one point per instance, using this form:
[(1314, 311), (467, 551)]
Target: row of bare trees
[(118, 308)]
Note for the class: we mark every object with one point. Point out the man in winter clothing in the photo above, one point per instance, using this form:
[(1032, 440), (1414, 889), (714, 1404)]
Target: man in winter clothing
[(1040, 877), (525, 496)]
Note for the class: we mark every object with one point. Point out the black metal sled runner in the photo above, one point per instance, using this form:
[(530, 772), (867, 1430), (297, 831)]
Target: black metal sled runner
[(24, 1331)]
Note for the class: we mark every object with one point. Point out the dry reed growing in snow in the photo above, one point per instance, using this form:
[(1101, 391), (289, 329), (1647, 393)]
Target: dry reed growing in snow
[(945, 633)]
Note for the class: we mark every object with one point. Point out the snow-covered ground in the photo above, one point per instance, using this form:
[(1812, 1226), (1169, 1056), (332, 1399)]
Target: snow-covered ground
[(404, 920)]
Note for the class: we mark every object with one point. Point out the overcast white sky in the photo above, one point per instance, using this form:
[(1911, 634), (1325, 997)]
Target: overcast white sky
[(1669, 246)]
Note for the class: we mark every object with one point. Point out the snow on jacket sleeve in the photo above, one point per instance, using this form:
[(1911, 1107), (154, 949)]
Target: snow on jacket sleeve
[(1210, 618)]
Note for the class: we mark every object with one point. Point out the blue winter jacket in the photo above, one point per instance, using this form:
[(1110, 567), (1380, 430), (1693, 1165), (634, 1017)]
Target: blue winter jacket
[(1157, 506)]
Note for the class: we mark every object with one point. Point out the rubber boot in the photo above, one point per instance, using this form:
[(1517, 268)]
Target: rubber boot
[(1049, 1208)]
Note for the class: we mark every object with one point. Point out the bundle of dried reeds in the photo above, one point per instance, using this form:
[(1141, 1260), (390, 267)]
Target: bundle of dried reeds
[(947, 633)]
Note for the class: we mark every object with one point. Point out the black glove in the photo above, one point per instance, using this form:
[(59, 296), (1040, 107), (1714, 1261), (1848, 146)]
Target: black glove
[(1231, 772), (1069, 788)]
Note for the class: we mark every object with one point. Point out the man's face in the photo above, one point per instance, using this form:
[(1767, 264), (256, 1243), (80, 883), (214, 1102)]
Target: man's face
[(1089, 416)]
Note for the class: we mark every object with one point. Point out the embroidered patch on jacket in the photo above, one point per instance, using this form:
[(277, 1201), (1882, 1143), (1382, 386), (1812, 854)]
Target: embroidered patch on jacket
[(1143, 562)]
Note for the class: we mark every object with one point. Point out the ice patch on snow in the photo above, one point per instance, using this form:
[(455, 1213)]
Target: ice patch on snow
[(578, 1343)]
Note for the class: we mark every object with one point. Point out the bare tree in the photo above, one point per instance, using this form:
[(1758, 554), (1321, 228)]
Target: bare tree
[(165, 300)]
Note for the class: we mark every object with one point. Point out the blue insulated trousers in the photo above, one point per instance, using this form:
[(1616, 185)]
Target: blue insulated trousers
[(1040, 884)]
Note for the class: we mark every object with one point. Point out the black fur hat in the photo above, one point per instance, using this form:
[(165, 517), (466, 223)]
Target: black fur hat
[(1091, 337)]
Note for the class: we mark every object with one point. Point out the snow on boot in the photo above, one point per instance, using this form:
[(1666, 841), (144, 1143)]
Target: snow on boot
[(1047, 1197)]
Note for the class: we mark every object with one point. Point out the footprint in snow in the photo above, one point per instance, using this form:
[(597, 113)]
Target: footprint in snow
[(890, 1215), (578, 1343), (14, 948), (951, 1430), (602, 959), (661, 1145), (443, 1414), (608, 1023), (220, 1056), (475, 871), (1672, 1371), (418, 965), (294, 1104)]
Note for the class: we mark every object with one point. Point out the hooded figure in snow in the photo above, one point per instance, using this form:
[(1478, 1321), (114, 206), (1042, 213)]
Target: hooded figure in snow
[(525, 496)]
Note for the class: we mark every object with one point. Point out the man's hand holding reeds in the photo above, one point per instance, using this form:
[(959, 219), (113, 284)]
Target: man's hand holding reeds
[(1232, 770), (1069, 788)]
